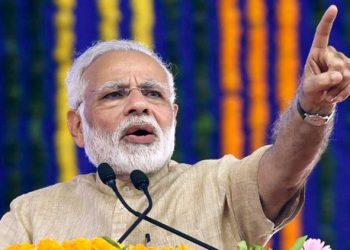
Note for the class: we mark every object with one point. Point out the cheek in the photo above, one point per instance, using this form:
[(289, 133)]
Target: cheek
[(165, 117), (107, 120)]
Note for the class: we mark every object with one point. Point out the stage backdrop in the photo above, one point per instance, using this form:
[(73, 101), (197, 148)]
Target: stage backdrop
[(237, 64)]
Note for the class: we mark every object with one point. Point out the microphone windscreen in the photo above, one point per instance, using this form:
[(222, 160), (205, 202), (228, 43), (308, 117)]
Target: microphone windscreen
[(139, 179), (106, 173)]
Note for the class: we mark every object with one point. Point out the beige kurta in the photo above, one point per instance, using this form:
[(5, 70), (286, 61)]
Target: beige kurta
[(216, 201)]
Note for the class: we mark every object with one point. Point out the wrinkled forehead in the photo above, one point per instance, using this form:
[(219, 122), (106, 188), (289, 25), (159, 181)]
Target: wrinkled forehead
[(127, 66)]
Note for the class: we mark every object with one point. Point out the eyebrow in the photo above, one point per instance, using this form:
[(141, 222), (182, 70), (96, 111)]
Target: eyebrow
[(110, 85), (115, 84)]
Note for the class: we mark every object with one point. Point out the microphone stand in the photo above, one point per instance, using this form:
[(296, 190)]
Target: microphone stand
[(139, 219), (112, 185)]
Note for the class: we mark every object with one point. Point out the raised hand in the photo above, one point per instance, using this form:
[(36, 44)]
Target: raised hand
[(326, 78)]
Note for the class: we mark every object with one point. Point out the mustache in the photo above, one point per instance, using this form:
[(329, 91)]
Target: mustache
[(123, 127)]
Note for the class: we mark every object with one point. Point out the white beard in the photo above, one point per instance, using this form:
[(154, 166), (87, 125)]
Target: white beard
[(124, 157)]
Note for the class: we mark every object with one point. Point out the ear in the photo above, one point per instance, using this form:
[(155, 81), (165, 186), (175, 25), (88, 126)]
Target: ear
[(75, 127), (175, 110)]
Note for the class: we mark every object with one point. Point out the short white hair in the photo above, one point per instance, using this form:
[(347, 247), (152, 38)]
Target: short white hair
[(75, 82)]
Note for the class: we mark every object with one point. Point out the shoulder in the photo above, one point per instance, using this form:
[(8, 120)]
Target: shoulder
[(50, 194)]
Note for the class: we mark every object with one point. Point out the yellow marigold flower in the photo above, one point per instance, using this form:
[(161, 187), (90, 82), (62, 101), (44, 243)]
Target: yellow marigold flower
[(77, 244), (49, 244), (102, 244), (184, 247), (23, 246), (141, 247), (85, 244)]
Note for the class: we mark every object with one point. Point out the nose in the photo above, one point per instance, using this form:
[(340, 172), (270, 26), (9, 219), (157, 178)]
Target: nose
[(136, 103)]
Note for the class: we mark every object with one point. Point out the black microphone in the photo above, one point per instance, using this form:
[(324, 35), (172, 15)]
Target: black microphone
[(139, 179), (106, 174), (140, 184), (108, 177)]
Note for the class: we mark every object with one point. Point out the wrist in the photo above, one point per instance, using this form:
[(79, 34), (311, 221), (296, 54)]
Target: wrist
[(321, 107), (314, 119)]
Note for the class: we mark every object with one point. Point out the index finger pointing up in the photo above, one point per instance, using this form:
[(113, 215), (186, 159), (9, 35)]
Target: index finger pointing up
[(324, 28)]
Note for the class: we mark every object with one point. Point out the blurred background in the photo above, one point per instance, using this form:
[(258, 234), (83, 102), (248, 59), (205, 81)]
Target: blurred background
[(237, 64)]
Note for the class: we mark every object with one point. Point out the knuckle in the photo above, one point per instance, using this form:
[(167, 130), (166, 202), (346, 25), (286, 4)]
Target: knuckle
[(337, 64), (331, 48)]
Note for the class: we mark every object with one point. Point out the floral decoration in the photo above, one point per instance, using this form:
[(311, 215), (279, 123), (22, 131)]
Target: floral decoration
[(101, 243), (315, 244), (300, 244)]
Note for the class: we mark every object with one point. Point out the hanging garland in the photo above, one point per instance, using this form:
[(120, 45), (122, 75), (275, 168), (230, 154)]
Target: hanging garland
[(63, 53), (143, 21), (257, 63), (214, 78), (287, 80), (288, 51), (232, 136), (110, 18)]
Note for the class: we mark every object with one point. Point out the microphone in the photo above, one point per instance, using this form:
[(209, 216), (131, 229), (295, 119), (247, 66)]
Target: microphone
[(106, 174), (140, 182)]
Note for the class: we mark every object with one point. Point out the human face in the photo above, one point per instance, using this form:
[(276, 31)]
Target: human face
[(127, 118), (130, 69)]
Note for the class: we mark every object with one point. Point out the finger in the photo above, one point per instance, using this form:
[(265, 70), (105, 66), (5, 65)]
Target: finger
[(322, 82), (334, 63), (324, 28), (333, 96), (344, 94), (336, 93)]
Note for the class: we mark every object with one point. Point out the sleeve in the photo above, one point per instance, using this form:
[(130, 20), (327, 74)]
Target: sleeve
[(243, 195), (12, 230)]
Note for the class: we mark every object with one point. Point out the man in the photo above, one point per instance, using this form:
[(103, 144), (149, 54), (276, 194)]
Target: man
[(123, 112)]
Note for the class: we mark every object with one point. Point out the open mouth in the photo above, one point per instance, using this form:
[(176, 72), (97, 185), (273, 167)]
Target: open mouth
[(142, 134)]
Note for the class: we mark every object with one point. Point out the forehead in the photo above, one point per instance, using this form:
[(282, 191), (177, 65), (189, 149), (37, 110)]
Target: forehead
[(125, 66)]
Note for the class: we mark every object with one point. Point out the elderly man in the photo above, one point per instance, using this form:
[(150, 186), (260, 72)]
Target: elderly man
[(123, 113)]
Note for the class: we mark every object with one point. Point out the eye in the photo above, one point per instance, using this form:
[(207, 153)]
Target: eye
[(117, 94), (152, 93)]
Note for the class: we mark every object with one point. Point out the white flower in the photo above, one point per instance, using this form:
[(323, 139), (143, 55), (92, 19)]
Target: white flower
[(315, 244)]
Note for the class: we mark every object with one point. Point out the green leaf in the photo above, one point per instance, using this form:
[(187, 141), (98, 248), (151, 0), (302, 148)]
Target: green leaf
[(113, 243), (299, 243), (242, 245), (256, 247)]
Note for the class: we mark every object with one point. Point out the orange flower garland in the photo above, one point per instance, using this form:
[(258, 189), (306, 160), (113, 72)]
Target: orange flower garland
[(287, 81), (288, 51), (85, 244), (257, 72), (232, 135)]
